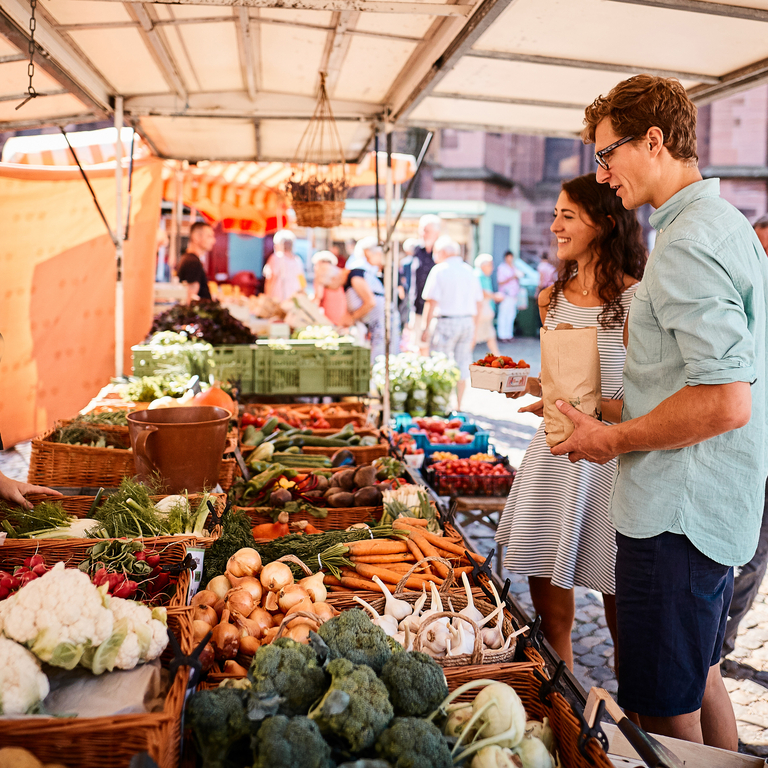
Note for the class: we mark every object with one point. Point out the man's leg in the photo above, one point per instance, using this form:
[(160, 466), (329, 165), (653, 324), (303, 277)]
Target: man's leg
[(461, 388), (718, 722), (747, 584)]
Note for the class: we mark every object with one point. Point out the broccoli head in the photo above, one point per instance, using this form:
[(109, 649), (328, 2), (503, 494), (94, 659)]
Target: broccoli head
[(290, 670), (218, 719), (294, 742), (356, 707), (415, 682), (352, 635), (411, 742)]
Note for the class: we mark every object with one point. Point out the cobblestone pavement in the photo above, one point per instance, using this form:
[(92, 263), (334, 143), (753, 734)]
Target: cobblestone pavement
[(746, 670)]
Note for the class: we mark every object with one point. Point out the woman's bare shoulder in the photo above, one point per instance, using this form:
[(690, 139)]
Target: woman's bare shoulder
[(629, 282), (545, 296)]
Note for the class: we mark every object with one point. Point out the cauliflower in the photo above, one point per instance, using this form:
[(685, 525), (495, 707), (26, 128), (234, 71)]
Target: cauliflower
[(22, 683), (356, 707), (147, 633), (58, 615)]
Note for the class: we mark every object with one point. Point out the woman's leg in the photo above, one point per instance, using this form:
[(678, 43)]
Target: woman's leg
[(556, 607), (506, 318)]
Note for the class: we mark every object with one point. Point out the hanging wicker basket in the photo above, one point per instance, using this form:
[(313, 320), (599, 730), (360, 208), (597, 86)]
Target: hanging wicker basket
[(318, 185)]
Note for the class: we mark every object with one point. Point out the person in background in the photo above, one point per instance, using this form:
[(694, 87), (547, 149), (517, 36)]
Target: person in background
[(284, 271), (191, 271), (486, 333), (406, 287), (547, 273), (555, 524), (749, 577), (16, 491), (453, 295), (688, 495), (331, 300), (508, 281), (421, 265), (364, 293)]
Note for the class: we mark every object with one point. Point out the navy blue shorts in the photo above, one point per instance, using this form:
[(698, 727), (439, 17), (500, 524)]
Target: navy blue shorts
[(672, 607)]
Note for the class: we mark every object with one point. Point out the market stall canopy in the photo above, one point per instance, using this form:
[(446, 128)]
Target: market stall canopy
[(237, 79)]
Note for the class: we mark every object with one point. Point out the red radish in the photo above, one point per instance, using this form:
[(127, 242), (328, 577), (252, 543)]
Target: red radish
[(115, 580), (4, 593), (9, 582), (123, 590), (27, 577), (40, 569), (140, 556), (153, 559), (36, 560)]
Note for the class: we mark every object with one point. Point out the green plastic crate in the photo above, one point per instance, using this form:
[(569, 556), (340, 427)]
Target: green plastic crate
[(231, 363), (305, 369)]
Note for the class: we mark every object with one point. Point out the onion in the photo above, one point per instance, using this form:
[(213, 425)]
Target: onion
[(206, 614), (219, 607), (325, 611), (249, 645), (303, 605), (290, 595), (300, 633), (270, 602), (233, 668), (315, 587), (219, 585), (239, 601), (226, 638), (245, 562), (204, 597), (199, 630), (263, 618), (270, 635), (277, 618), (252, 585), (275, 576), (207, 657), (248, 627)]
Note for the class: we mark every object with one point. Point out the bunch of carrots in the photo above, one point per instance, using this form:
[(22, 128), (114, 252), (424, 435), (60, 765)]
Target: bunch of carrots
[(391, 559)]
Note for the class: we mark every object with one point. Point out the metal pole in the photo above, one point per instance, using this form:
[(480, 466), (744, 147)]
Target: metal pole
[(119, 235), (387, 270), (376, 191)]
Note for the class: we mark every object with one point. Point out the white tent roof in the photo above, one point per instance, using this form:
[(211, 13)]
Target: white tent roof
[(237, 79)]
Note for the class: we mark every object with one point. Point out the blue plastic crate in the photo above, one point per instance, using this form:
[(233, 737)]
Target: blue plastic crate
[(404, 422), (478, 445)]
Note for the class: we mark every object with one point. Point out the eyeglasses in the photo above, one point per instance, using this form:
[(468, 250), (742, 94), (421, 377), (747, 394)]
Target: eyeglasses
[(600, 154)]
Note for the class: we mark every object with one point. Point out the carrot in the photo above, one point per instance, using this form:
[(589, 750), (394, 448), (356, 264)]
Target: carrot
[(270, 530), (413, 548), (334, 588), (398, 558), (414, 521), (439, 541), (351, 580), (391, 577), (463, 569), (429, 551), (376, 547)]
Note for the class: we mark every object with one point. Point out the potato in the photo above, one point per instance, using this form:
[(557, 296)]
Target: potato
[(335, 480), (342, 500), (322, 483)]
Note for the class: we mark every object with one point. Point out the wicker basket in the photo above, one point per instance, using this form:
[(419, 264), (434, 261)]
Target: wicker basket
[(337, 519), (323, 213), (526, 679), (72, 465), (111, 742), (72, 552), (364, 454)]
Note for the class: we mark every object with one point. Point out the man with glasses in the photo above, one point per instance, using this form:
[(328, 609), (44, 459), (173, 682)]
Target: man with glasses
[(688, 495)]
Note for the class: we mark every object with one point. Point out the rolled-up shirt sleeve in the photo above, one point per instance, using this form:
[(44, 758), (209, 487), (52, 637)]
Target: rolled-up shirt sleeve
[(431, 290), (695, 300)]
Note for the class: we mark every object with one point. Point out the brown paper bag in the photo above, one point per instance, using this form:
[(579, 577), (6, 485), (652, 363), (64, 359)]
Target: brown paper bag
[(570, 371)]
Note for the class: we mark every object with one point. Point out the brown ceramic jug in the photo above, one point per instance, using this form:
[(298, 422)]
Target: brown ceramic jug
[(183, 446)]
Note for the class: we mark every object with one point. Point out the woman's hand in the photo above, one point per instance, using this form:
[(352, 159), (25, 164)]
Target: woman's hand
[(15, 491), (537, 409), (498, 297), (532, 387)]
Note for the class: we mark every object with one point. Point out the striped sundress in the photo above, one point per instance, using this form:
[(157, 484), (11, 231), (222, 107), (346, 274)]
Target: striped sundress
[(555, 523)]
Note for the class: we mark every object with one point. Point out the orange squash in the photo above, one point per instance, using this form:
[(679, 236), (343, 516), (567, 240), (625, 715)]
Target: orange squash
[(216, 397)]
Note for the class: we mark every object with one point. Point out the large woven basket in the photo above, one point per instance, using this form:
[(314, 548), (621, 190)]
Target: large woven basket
[(323, 213), (111, 742), (527, 680), (78, 465), (337, 519), (72, 552)]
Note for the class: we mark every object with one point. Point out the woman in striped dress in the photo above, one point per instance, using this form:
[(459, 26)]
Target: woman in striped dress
[(555, 525)]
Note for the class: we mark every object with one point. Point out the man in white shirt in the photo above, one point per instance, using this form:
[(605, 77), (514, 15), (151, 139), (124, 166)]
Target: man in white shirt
[(453, 294), (284, 271)]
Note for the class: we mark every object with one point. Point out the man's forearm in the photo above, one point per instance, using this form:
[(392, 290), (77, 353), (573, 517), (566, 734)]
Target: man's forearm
[(690, 416), (430, 307)]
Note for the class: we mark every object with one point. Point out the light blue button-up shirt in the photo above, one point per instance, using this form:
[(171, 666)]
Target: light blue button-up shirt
[(698, 317)]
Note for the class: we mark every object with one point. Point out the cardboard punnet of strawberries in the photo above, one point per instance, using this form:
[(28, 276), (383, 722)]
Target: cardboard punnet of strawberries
[(499, 374)]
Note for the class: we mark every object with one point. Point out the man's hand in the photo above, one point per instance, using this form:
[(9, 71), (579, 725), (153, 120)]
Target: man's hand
[(532, 387), (537, 408), (425, 336), (590, 438), (15, 491)]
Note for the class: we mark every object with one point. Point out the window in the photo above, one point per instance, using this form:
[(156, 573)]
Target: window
[(450, 139)]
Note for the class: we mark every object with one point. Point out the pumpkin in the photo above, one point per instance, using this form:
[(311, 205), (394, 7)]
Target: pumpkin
[(216, 397)]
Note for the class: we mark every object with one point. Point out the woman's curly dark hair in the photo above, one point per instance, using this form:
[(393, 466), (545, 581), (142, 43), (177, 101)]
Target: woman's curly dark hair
[(618, 246)]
